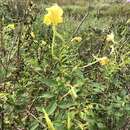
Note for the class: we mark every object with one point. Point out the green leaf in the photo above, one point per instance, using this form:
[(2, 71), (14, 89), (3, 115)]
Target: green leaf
[(34, 125), (46, 95), (52, 108), (48, 82), (65, 105), (2, 73)]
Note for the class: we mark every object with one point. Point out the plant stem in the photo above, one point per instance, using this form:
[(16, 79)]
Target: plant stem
[(53, 41), (90, 64)]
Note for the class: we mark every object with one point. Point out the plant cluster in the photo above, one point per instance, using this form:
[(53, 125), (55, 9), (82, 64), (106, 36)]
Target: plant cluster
[(50, 80)]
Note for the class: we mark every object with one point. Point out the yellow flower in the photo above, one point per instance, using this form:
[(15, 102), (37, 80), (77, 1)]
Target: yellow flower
[(54, 16), (104, 61), (76, 39), (32, 34), (110, 37), (11, 26)]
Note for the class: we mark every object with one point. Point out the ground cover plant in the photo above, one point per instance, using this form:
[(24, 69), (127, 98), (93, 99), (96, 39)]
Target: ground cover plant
[(64, 65)]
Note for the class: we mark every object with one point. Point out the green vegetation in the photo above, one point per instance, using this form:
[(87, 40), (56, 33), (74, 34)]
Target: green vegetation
[(81, 85)]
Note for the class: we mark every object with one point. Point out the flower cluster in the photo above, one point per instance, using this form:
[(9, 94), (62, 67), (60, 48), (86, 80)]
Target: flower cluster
[(54, 15)]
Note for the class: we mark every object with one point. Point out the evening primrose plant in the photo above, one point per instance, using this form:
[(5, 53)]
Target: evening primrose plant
[(70, 66), (65, 54), (53, 18)]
